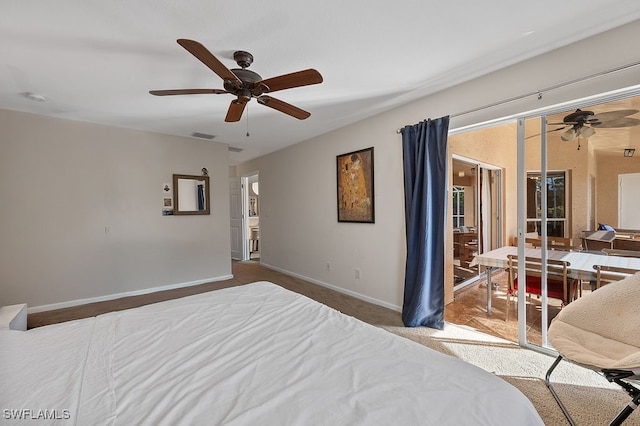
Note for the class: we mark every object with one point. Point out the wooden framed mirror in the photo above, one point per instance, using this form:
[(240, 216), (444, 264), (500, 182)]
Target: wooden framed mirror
[(191, 195)]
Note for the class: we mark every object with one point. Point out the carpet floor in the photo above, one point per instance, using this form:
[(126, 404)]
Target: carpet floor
[(590, 399)]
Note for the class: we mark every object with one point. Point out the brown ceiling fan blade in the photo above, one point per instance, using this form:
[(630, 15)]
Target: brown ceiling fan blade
[(207, 58), (187, 92), (289, 81), (281, 106), (618, 122), (235, 111)]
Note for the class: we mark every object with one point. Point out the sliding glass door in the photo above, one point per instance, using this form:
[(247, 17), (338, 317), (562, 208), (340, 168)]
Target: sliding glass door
[(556, 182), (568, 166)]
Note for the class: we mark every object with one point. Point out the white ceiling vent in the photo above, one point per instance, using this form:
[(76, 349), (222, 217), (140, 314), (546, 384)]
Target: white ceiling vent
[(232, 149)]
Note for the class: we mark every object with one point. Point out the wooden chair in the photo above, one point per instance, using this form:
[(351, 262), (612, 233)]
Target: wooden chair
[(595, 245), (609, 274), (553, 243), (558, 285), (621, 252), (628, 243)]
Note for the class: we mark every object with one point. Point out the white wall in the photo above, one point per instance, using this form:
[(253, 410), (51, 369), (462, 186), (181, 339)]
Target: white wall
[(63, 182), (299, 229)]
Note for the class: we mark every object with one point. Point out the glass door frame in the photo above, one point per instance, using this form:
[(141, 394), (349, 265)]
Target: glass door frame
[(522, 229), (521, 201)]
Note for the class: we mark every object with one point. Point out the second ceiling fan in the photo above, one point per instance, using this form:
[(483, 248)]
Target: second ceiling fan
[(245, 84), (584, 123)]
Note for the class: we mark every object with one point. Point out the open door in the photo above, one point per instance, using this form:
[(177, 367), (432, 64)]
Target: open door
[(237, 228)]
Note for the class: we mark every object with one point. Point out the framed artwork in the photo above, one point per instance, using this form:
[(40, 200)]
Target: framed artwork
[(355, 186)]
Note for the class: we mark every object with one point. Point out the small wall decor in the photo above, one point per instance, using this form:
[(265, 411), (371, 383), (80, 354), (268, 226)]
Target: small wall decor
[(167, 200), (355, 186)]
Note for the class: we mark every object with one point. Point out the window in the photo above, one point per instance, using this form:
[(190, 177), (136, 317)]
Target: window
[(557, 211), (458, 206)]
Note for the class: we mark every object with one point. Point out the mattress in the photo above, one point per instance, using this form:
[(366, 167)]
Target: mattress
[(253, 354)]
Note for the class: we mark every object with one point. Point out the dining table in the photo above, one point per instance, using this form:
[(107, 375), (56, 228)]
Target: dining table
[(581, 263)]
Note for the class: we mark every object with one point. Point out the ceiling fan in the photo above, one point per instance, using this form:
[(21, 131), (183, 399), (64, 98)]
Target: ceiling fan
[(245, 84), (583, 123)]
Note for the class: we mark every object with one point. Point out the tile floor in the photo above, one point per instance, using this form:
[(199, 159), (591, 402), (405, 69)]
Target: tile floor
[(470, 308)]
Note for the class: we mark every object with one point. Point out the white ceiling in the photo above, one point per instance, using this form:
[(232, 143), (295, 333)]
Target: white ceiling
[(95, 61)]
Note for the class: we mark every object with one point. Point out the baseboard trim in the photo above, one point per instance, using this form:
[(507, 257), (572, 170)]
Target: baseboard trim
[(77, 302), (336, 288)]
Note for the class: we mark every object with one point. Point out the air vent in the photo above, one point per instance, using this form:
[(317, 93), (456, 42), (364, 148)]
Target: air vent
[(232, 149), (202, 135)]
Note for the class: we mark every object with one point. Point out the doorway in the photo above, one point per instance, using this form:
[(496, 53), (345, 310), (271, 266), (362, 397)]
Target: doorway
[(244, 194), (253, 214), (476, 215), (629, 203)]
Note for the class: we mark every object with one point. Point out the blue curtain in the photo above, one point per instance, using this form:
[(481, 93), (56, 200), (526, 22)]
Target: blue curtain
[(424, 153), (200, 197)]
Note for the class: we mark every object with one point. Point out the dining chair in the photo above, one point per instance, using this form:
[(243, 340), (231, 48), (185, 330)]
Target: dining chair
[(553, 243), (559, 286), (608, 274), (621, 252)]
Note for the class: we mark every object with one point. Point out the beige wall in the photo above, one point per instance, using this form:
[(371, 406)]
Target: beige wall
[(64, 182), (298, 218)]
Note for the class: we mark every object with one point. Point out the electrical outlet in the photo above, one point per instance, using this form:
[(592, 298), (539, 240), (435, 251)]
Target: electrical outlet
[(356, 273), (327, 266)]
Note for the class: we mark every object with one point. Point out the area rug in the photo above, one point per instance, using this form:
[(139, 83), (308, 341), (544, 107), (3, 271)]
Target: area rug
[(588, 396)]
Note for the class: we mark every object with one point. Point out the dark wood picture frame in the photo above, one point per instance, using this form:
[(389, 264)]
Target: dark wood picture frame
[(355, 188), (178, 208)]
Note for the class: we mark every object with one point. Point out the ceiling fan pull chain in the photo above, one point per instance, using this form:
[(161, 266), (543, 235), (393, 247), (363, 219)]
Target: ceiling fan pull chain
[(247, 120)]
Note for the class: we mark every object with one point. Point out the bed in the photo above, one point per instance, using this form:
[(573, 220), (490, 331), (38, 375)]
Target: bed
[(253, 354)]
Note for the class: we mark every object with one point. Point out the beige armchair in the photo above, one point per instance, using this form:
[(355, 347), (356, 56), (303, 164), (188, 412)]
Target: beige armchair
[(601, 331)]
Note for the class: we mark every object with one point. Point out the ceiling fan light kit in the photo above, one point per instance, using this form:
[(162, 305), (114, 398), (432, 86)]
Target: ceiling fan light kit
[(569, 135), (586, 132), (245, 84)]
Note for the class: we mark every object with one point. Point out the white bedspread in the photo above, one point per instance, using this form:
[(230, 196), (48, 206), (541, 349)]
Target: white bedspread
[(255, 354)]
